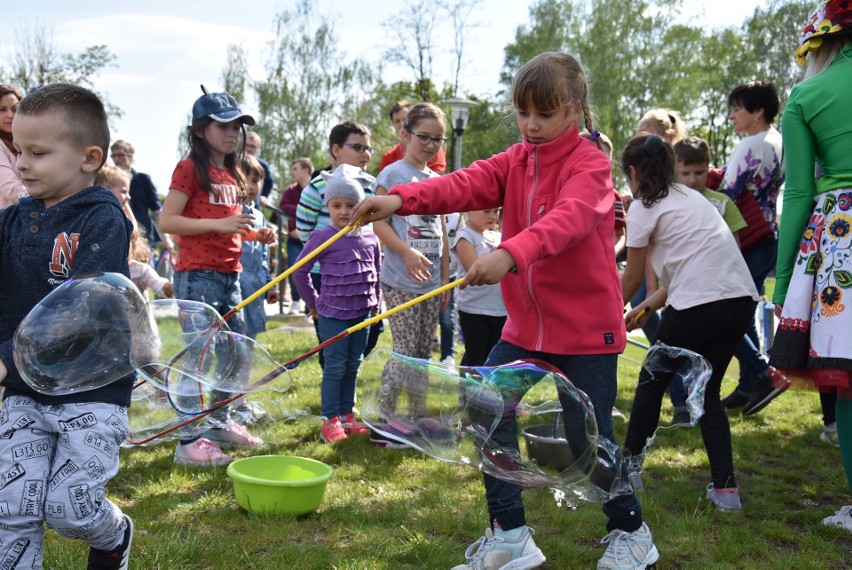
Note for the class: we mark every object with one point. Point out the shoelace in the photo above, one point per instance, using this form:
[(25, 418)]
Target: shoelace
[(619, 544), (481, 547)]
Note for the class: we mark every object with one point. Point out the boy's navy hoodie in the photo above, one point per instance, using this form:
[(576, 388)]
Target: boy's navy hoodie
[(41, 248)]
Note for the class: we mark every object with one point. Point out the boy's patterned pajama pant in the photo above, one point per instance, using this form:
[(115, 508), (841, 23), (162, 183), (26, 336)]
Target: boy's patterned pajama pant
[(55, 461)]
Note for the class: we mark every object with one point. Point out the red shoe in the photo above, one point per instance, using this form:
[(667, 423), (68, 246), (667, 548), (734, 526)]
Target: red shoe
[(353, 427), (332, 430)]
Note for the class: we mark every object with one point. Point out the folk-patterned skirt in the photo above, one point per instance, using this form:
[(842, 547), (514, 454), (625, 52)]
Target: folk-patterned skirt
[(813, 342)]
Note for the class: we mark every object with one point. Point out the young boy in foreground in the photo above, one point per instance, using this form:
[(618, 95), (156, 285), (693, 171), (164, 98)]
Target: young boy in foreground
[(58, 452)]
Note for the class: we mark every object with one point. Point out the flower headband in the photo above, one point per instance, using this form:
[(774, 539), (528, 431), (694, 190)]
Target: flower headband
[(833, 17)]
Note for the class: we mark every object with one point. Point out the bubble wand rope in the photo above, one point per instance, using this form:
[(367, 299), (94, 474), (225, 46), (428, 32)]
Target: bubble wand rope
[(286, 273), (296, 361)]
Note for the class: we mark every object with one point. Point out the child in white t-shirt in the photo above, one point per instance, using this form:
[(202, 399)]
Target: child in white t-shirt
[(482, 313), (707, 291)]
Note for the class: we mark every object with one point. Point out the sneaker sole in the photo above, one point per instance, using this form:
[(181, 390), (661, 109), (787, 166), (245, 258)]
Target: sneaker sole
[(747, 411), (532, 560), (217, 463)]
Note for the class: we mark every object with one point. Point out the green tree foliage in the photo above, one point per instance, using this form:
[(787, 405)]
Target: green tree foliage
[(35, 61), (308, 87), (639, 57), (235, 76)]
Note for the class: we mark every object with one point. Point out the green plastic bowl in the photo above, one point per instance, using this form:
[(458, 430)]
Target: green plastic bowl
[(276, 484)]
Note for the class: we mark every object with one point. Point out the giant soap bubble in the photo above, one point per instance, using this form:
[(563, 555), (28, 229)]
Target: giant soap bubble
[(522, 422), (81, 336), (453, 414)]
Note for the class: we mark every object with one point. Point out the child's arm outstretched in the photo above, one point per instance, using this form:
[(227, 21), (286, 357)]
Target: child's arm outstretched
[(415, 262), (486, 270), (173, 221)]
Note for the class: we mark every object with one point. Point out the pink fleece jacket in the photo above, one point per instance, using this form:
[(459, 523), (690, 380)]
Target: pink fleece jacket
[(557, 224)]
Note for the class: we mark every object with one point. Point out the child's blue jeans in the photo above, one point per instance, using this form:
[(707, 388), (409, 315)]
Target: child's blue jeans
[(222, 292), (342, 359), (596, 376)]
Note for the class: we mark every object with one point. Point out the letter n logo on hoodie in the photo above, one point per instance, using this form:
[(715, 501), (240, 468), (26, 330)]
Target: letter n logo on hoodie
[(64, 249)]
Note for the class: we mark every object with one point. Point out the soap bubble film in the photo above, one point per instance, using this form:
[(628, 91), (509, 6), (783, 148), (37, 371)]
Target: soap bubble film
[(80, 336)]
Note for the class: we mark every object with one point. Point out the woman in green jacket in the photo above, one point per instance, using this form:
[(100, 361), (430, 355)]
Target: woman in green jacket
[(814, 271)]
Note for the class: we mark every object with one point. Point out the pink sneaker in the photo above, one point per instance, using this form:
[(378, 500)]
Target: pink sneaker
[(201, 453), (353, 427), (332, 430), (233, 435)]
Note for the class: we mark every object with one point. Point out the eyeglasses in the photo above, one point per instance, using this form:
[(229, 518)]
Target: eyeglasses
[(358, 147), (426, 139), (119, 154)]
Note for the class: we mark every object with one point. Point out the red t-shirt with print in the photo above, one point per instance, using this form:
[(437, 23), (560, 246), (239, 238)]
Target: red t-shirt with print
[(219, 252)]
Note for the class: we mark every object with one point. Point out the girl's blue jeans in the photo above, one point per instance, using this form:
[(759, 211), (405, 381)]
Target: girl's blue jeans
[(222, 292), (342, 359), (596, 376)]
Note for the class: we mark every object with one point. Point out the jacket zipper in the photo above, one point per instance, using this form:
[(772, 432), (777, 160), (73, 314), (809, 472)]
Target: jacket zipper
[(540, 334)]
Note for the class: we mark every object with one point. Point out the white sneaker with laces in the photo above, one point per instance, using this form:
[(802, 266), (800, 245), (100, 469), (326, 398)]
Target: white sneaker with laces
[(496, 552), (840, 519), (628, 550)]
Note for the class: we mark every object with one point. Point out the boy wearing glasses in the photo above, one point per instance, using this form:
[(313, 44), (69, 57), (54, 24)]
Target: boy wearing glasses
[(398, 114)]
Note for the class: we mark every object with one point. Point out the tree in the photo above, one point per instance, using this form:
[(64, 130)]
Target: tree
[(459, 13), (35, 61), (235, 76), (639, 58), (307, 86), (413, 30)]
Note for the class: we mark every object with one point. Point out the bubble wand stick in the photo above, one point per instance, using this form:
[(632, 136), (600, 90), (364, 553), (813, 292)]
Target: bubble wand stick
[(296, 361)]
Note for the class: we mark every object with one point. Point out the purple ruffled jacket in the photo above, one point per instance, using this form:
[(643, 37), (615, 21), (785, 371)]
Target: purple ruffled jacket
[(349, 269)]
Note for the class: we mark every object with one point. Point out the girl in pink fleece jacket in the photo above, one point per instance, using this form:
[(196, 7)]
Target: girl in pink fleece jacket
[(556, 268)]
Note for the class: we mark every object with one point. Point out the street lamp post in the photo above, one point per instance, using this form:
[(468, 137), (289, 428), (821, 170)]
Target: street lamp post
[(459, 115)]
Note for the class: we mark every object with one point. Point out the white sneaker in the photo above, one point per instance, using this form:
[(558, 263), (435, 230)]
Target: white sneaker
[(296, 307), (448, 361), (628, 550), (496, 552), (840, 519)]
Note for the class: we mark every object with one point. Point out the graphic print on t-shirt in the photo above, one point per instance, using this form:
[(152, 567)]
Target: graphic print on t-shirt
[(224, 194)]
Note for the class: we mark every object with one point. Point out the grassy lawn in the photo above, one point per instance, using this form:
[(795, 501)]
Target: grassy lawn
[(390, 509)]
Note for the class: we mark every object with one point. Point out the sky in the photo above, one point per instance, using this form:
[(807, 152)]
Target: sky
[(165, 49)]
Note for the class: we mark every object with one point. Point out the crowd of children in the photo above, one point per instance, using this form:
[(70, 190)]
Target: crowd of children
[(537, 246)]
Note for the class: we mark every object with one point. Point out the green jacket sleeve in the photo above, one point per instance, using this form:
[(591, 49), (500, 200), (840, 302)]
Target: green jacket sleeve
[(799, 190)]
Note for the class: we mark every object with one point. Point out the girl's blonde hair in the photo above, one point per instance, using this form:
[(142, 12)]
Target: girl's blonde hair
[(552, 81), (139, 248), (821, 58), (423, 111), (109, 174), (664, 123)]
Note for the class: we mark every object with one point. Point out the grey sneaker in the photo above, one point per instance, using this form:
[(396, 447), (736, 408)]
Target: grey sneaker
[(727, 500), (829, 435), (498, 553), (629, 550), (840, 519)]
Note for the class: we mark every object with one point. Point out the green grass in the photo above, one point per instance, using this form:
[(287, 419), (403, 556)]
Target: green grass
[(401, 510)]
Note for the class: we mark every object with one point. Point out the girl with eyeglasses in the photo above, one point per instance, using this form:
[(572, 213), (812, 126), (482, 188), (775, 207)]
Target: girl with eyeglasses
[(416, 261)]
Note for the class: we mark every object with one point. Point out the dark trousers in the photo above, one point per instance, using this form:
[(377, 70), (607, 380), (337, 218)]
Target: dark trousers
[(712, 330), (481, 333), (596, 376)]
